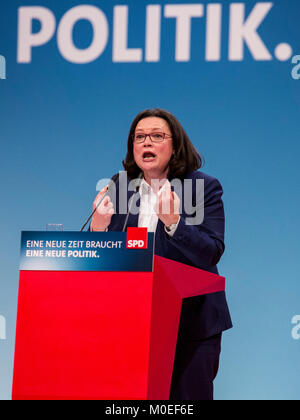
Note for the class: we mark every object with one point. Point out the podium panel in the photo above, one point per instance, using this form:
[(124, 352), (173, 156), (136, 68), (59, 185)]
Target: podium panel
[(101, 334), (83, 335)]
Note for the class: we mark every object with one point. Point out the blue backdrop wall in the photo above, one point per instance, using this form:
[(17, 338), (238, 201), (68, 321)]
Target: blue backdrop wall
[(73, 75)]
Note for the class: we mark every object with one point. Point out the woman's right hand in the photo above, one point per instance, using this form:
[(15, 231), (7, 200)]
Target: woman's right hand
[(103, 214)]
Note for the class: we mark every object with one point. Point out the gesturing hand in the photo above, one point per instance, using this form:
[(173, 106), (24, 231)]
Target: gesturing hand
[(104, 212), (168, 205)]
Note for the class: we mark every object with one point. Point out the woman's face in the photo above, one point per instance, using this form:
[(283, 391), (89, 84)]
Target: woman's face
[(153, 158)]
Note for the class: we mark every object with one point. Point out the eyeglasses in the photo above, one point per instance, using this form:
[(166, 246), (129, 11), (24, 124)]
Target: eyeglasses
[(154, 137)]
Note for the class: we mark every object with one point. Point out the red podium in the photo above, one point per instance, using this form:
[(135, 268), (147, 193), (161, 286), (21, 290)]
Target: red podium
[(107, 335)]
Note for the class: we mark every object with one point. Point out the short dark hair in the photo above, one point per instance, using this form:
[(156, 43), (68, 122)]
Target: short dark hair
[(186, 159)]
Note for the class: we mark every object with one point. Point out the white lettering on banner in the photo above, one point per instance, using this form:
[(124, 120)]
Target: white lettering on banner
[(34, 253), (55, 254), (2, 328), (283, 52), (213, 32), (296, 329), (183, 13), (243, 31), (153, 33), (121, 53), (246, 31), (83, 254), (67, 249), (26, 39), (65, 34), (135, 243)]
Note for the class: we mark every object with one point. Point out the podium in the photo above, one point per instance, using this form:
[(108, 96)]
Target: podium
[(98, 320)]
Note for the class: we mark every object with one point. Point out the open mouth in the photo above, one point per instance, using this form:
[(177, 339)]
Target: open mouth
[(148, 156)]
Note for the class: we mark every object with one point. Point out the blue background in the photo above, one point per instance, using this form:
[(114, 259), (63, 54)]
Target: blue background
[(64, 127)]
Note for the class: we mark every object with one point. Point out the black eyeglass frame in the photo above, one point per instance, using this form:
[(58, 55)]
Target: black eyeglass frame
[(155, 140)]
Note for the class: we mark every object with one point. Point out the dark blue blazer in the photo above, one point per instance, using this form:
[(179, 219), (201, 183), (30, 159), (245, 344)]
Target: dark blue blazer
[(199, 246)]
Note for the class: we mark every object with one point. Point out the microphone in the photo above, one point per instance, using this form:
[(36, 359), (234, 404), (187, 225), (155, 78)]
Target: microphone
[(112, 181), (131, 199)]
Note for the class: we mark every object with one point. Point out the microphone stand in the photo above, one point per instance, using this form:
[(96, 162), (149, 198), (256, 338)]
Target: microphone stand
[(113, 180)]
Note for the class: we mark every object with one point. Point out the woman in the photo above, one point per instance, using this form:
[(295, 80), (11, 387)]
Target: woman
[(159, 147)]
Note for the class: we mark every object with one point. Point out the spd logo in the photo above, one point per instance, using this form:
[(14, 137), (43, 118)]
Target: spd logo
[(137, 238)]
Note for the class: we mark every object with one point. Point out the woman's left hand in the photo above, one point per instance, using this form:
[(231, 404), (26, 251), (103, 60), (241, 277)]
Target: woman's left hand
[(168, 206)]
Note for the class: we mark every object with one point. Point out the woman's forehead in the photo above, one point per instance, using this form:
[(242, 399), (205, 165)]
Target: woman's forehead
[(153, 123)]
